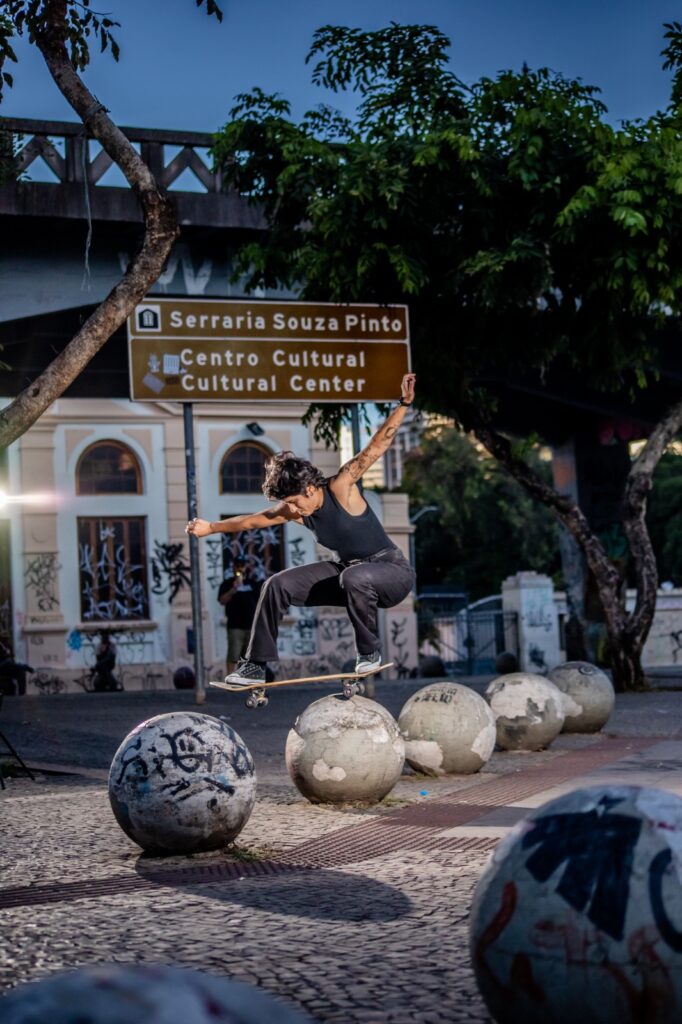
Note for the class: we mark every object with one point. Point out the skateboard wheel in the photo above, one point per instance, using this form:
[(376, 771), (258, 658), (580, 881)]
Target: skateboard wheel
[(251, 701), (359, 689), (263, 702)]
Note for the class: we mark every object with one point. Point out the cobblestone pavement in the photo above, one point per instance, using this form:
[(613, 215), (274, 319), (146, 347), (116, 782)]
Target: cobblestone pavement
[(379, 936)]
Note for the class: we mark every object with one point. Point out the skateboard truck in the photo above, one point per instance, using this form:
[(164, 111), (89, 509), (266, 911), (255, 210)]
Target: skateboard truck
[(352, 689), (257, 699)]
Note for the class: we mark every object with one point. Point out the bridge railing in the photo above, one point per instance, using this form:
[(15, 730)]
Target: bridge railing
[(71, 160)]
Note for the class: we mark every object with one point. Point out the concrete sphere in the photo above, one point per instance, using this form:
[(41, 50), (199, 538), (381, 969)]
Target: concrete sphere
[(590, 692), (141, 994), (182, 782), (344, 750), (578, 916), (529, 711), (447, 728)]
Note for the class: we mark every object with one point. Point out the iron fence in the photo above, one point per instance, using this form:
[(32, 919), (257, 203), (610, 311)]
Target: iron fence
[(468, 642)]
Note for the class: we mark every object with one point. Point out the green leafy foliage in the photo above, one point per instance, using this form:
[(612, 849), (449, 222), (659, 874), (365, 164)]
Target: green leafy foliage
[(486, 527), (526, 233)]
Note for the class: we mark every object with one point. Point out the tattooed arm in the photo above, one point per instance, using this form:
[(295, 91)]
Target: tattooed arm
[(251, 521), (350, 473)]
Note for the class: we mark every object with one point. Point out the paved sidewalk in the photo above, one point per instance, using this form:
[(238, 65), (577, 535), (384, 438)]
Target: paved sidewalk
[(350, 914)]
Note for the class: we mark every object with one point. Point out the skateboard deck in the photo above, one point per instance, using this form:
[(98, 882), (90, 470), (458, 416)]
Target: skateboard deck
[(358, 677)]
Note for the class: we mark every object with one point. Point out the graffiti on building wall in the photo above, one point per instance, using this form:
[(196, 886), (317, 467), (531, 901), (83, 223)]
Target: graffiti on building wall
[(41, 579), (170, 571), (337, 640), (304, 633), (536, 656), (261, 549), (111, 586), (214, 563), (296, 552), (44, 683), (399, 647)]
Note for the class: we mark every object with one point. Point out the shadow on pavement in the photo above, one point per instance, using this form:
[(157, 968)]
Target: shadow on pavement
[(319, 894)]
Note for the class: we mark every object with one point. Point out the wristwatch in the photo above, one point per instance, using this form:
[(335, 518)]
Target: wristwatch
[(402, 401)]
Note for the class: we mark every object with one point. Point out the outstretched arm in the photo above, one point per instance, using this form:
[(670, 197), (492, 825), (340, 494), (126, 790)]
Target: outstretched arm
[(351, 472), (250, 521)]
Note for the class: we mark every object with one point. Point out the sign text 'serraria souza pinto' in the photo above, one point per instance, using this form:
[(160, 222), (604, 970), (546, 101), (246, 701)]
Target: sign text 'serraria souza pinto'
[(189, 350)]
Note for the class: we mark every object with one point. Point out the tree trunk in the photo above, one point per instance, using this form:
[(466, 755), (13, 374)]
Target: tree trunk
[(605, 574), (625, 658), (160, 231), (626, 633)]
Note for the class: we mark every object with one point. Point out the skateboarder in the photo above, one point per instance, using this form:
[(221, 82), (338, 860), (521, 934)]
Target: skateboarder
[(369, 571)]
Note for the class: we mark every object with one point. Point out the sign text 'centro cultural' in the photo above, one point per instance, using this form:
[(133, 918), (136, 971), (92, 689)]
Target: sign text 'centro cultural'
[(220, 350)]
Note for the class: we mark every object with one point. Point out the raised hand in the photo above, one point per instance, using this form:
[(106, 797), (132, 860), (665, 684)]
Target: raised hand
[(407, 387), (198, 527)]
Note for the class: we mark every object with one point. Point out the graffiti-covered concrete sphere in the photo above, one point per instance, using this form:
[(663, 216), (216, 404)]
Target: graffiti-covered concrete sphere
[(141, 994), (341, 750), (181, 783), (578, 916), (590, 692), (529, 711), (447, 728)]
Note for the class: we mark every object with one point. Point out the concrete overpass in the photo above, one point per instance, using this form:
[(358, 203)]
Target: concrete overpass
[(50, 277)]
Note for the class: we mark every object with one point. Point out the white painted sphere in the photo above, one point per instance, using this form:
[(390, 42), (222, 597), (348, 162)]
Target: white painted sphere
[(141, 994), (447, 728), (529, 711), (590, 694), (578, 916), (343, 750), (182, 782)]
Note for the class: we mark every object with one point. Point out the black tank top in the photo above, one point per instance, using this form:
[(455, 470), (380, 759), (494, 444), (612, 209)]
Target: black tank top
[(349, 536)]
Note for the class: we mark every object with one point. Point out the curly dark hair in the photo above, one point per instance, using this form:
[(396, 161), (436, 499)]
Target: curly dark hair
[(286, 475)]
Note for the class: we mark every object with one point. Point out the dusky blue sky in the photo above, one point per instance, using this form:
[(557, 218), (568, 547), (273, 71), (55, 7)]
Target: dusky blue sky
[(180, 69)]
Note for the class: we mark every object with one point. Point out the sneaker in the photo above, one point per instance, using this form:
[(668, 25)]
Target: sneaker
[(247, 673), (367, 662)]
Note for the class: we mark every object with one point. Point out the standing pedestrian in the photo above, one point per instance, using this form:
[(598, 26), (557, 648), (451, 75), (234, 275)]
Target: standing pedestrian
[(103, 678), (238, 594)]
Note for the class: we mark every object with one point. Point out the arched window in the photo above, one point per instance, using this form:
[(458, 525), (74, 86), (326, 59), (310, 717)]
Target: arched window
[(108, 467), (242, 470)]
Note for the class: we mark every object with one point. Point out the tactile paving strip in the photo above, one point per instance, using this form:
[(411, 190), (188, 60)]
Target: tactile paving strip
[(407, 828), (30, 895), (417, 827)]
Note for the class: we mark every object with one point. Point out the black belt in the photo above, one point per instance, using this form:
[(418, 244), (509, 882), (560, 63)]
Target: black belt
[(376, 557)]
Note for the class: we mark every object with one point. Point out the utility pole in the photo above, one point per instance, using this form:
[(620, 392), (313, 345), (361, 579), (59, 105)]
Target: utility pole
[(194, 566)]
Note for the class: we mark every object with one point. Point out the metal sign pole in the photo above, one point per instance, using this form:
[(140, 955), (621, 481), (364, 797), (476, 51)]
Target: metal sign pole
[(195, 573)]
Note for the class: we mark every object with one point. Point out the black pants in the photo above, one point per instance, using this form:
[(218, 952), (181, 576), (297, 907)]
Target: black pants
[(381, 581)]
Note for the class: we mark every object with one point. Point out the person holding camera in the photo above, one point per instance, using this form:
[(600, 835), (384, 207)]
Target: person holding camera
[(238, 594)]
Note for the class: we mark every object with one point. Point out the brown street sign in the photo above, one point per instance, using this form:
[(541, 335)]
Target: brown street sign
[(221, 350)]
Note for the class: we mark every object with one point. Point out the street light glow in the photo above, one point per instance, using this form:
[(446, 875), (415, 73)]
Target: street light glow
[(37, 498)]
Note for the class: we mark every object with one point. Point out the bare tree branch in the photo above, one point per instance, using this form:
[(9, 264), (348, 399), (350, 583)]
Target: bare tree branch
[(160, 232)]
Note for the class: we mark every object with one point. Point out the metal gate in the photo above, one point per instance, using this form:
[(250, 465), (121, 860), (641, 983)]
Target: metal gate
[(468, 641)]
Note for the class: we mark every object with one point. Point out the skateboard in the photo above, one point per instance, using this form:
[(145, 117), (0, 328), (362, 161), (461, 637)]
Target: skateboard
[(257, 697)]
